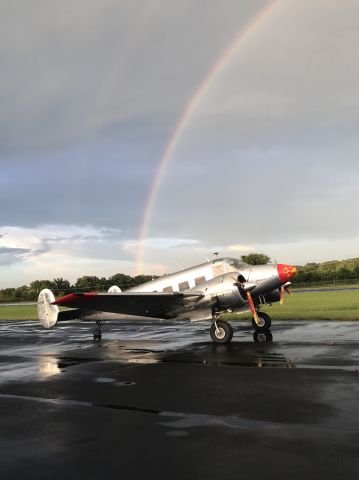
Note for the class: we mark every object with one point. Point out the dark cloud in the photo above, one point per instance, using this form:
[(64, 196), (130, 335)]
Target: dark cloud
[(9, 256), (90, 96)]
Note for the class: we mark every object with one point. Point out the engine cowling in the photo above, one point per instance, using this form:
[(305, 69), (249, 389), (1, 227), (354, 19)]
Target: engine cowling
[(272, 297), (223, 290)]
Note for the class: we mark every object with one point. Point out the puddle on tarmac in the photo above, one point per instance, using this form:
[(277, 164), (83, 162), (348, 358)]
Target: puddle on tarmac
[(188, 420), (32, 353), (177, 433)]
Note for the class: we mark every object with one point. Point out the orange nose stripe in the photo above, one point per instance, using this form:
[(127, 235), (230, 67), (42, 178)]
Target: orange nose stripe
[(286, 272)]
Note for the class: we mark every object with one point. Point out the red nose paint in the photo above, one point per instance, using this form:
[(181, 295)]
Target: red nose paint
[(286, 272)]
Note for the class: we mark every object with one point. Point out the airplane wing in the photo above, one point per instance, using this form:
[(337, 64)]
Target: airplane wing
[(142, 304)]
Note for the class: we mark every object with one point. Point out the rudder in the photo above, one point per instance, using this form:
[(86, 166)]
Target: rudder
[(46, 312)]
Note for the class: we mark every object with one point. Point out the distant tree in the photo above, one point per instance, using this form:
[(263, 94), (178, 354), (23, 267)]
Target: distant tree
[(87, 283), (104, 283), (356, 271), (60, 285), (343, 273), (8, 295), (38, 285), (32, 292), (256, 259), (139, 279), (121, 280), (25, 293)]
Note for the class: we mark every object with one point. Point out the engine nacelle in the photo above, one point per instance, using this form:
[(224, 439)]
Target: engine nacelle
[(272, 297), (222, 290)]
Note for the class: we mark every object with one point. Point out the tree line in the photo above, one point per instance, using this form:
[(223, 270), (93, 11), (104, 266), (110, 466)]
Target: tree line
[(325, 272), (61, 286), (343, 271)]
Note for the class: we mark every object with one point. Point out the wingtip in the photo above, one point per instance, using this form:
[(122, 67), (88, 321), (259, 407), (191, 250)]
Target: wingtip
[(68, 299)]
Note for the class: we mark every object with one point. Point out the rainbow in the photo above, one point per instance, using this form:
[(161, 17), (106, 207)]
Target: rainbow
[(185, 117)]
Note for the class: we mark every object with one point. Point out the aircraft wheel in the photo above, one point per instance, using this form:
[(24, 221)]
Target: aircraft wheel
[(262, 336), (223, 333), (264, 322), (97, 334)]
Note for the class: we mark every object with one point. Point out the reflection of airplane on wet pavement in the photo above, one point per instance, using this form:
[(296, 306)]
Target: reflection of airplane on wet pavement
[(199, 293)]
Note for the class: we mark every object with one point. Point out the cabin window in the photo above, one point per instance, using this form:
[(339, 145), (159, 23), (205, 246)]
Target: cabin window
[(168, 290), (199, 280), (183, 286)]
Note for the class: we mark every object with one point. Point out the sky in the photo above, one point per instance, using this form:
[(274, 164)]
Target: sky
[(142, 136)]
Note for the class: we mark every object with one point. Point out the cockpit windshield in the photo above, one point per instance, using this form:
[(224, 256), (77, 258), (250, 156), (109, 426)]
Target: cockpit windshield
[(235, 263)]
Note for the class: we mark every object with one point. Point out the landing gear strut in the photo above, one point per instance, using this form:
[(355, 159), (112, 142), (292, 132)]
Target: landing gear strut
[(97, 334), (221, 331), (264, 322)]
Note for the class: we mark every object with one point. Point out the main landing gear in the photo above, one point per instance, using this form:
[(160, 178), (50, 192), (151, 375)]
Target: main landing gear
[(97, 333), (221, 331), (262, 323)]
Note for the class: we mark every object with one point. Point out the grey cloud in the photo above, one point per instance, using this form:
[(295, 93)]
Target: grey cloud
[(104, 244), (90, 96), (71, 69), (9, 256)]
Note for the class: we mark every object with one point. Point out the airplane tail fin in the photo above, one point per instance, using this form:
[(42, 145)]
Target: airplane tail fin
[(114, 290), (47, 312), (49, 315)]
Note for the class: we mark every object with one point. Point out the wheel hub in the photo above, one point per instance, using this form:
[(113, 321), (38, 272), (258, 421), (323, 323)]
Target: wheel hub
[(220, 333), (261, 322)]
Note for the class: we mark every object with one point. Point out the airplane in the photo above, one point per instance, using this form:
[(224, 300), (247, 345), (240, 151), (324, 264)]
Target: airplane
[(202, 292)]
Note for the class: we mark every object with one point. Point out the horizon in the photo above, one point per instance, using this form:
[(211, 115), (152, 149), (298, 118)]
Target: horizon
[(99, 276)]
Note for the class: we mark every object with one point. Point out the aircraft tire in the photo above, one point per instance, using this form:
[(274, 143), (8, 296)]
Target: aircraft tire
[(223, 334), (265, 322)]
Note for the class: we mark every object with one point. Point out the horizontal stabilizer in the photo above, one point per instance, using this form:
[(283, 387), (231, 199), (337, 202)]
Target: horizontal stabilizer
[(67, 315)]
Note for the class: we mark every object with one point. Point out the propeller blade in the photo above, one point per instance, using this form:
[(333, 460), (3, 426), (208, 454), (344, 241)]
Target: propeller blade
[(281, 295), (252, 307)]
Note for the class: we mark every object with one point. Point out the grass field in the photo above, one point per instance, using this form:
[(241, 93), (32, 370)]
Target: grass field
[(18, 312), (330, 305), (342, 305)]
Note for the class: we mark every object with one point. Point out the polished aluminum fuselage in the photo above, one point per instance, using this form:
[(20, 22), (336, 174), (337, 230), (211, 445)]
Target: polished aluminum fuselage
[(208, 271), (205, 271), (215, 280)]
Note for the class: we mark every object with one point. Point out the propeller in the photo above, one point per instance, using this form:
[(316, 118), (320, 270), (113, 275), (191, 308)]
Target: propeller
[(282, 290), (245, 289), (252, 307)]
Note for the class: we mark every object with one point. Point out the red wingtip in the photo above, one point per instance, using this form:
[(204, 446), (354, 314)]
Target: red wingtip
[(68, 300), (286, 272)]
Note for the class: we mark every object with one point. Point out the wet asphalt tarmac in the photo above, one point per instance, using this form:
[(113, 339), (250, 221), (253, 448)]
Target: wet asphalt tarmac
[(159, 400)]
